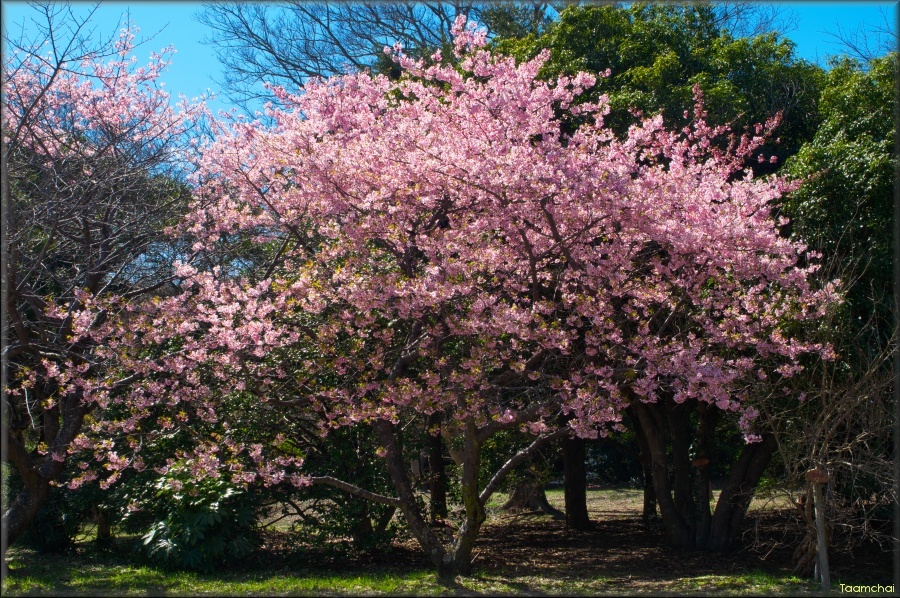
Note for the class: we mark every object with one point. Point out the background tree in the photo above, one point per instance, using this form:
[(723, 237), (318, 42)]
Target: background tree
[(656, 53), (868, 42), (842, 426), (289, 42), (844, 210), (91, 177)]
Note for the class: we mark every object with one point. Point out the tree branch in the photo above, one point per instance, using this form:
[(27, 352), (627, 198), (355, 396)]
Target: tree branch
[(356, 490), (517, 459)]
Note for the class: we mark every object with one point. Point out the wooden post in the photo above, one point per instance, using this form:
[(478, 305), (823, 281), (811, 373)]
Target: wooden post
[(819, 477)]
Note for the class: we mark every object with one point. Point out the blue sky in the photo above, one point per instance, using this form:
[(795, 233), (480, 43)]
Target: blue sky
[(194, 68)]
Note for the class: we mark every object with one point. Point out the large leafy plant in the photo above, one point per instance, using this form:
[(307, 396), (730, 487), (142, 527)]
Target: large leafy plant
[(206, 522)]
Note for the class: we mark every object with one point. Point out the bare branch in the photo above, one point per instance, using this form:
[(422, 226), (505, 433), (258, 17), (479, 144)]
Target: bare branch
[(356, 490), (517, 459)]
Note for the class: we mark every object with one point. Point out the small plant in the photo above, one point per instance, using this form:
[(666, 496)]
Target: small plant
[(207, 522)]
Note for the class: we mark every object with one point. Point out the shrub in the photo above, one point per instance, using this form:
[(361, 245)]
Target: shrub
[(206, 523)]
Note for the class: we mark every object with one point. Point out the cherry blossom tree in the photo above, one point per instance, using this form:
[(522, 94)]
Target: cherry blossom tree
[(91, 170), (440, 246)]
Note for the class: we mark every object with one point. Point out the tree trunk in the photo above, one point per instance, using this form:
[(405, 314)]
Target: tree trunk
[(24, 508), (37, 473), (738, 492), (678, 417), (529, 495), (456, 559), (822, 568), (652, 424), (437, 474), (421, 531), (706, 430), (684, 516), (575, 482), (649, 508), (461, 556), (104, 529), (362, 527)]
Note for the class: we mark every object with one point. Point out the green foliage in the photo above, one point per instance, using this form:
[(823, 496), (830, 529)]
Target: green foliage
[(613, 462), (656, 54), (64, 514), (207, 522), (845, 210), (57, 524), (333, 519)]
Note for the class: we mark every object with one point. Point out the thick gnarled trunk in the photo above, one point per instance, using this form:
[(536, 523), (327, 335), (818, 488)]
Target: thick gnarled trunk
[(731, 508), (529, 495), (37, 472), (652, 425)]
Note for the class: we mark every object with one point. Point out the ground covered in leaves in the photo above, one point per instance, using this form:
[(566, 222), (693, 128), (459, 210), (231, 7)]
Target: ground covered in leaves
[(518, 554)]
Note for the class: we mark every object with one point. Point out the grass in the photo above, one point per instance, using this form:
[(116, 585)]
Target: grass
[(106, 578), (518, 554), (68, 575)]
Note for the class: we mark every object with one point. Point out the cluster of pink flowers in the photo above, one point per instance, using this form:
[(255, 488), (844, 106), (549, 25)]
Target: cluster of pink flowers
[(446, 247)]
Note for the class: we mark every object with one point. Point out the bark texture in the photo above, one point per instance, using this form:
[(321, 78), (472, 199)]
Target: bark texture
[(648, 511)]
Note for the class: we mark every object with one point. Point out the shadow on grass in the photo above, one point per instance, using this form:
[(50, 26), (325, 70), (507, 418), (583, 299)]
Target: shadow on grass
[(516, 555)]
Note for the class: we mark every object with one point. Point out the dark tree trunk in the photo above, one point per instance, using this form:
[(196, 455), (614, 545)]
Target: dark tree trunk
[(653, 425), (706, 430), (649, 509), (678, 416), (684, 500), (575, 480), (369, 523), (382, 522), (437, 474), (104, 529), (738, 492), (362, 527), (24, 508)]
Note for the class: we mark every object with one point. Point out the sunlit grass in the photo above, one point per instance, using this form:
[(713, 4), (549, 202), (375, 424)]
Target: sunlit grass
[(133, 581), (69, 575), (104, 574)]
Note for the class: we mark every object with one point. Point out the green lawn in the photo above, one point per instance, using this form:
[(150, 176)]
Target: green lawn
[(518, 554), (89, 575)]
